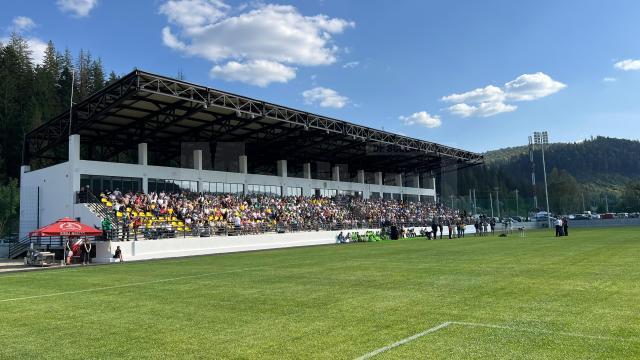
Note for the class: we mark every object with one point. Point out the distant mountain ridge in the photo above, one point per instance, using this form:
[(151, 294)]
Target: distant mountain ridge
[(597, 169)]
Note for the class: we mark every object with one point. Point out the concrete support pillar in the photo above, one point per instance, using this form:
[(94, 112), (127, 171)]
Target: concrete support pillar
[(74, 175), (197, 159), (335, 173), (433, 183), (378, 177), (361, 176), (306, 170), (282, 168), (242, 164), (74, 148), (142, 154), (398, 180), (145, 184)]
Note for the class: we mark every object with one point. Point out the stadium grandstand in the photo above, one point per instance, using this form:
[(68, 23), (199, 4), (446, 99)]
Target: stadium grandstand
[(146, 141)]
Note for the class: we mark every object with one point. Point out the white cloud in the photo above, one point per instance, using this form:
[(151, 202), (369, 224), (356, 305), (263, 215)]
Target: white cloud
[(492, 100), (609, 79), (78, 8), (194, 13), (422, 118), (628, 65), (254, 72), (484, 109), (22, 23), (487, 94), (351, 64), (529, 87), (36, 46), (269, 33), (324, 97)]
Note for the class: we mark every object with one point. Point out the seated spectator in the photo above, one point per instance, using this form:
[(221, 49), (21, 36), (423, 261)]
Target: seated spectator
[(118, 254)]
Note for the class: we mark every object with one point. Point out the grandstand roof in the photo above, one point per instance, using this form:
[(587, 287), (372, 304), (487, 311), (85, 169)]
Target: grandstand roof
[(165, 113)]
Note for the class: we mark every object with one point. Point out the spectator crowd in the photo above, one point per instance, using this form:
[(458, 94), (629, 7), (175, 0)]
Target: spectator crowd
[(163, 214)]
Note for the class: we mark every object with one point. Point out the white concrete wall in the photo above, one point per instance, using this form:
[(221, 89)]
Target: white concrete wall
[(190, 246), (55, 200)]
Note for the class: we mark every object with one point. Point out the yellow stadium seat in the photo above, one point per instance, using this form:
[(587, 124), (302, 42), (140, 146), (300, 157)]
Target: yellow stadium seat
[(149, 214), (119, 214), (109, 204), (104, 200)]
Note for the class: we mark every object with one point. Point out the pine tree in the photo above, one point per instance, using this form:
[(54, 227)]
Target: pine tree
[(112, 78), (97, 75)]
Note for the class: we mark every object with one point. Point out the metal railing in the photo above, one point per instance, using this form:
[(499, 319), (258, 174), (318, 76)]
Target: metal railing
[(122, 232)]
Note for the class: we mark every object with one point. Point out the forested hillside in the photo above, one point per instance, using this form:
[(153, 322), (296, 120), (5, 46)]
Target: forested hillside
[(588, 175), (31, 94)]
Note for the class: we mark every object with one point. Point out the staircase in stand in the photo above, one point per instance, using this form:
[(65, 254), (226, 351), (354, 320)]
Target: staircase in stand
[(16, 249)]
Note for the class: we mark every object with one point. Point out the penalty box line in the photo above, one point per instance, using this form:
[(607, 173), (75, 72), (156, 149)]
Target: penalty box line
[(491, 326)]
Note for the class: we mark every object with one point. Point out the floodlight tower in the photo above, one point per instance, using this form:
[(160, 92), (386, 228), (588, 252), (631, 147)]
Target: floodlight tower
[(533, 174), (542, 139)]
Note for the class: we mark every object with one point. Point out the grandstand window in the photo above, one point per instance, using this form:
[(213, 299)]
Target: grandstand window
[(427, 199), (326, 192), (374, 195), (172, 186), (99, 183), (294, 191), (386, 196), (410, 198), (264, 189), (222, 188)]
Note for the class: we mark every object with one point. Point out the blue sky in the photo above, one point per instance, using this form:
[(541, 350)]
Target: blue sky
[(478, 75)]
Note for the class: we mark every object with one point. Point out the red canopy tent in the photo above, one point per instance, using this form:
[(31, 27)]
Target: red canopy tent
[(66, 227)]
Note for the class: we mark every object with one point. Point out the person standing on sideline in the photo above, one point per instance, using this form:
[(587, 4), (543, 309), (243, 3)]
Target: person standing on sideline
[(441, 226), (434, 228), (86, 252), (565, 226), (559, 230)]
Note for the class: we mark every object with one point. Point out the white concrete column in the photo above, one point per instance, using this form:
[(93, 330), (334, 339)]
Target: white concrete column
[(379, 181), (74, 147), (242, 164), (142, 154), (433, 183), (145, 183), (306, 170), (74, 175), (361, 176), (398, 180), (335, 173), (282, 168), (378, 177), (197, 159)]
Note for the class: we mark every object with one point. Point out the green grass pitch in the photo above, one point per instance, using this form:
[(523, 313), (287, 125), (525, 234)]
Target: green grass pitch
[(538, 297)]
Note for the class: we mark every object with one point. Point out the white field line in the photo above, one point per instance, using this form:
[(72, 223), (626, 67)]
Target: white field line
[(540, 331), (492, 326), (132, 284), (403, 341)]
